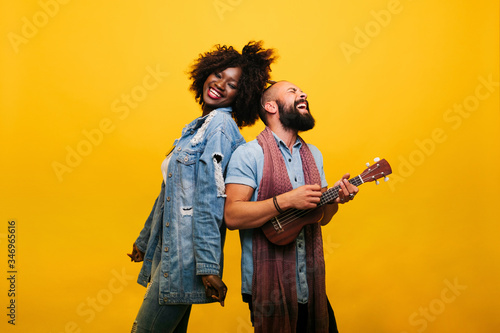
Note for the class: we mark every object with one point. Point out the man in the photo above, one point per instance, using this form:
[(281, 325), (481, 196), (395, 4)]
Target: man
[(283, 284)]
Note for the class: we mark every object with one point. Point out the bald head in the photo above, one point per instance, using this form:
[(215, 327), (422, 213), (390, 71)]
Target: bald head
[(272, 93)]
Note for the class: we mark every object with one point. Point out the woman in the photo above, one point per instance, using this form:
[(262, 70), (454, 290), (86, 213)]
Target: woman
[(182, 239)]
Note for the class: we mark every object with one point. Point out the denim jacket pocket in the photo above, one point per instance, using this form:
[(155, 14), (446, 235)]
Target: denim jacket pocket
[(186, 169)]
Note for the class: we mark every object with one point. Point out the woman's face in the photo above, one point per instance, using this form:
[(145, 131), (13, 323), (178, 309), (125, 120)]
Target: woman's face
[(220, 88)]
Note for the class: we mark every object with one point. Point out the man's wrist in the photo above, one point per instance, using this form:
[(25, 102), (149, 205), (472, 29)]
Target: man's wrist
[(277, 206)]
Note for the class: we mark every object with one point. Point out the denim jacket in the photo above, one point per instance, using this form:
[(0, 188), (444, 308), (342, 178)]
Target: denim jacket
[(187, 215)]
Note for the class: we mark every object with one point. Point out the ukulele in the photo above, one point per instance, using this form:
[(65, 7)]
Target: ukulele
[(284, 228)]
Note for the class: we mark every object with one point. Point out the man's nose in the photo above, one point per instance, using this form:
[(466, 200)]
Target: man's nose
[(303, 95)]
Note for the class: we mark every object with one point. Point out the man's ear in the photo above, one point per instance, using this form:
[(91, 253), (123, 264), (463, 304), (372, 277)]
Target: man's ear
[(271, 107)]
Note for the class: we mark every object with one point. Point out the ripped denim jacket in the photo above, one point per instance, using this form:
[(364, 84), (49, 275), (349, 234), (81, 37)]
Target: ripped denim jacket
[(184, 234)]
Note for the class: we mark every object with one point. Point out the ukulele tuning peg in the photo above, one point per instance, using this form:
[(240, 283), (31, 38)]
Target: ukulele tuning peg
[(386, 178), (377, 182), (376, 159), (367, 164)]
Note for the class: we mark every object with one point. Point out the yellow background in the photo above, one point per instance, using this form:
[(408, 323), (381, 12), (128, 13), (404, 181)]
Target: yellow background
[(384, 78)]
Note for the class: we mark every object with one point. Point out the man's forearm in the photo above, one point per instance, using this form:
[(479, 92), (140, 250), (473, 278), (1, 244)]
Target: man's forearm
[(248, 214), (241, 213)]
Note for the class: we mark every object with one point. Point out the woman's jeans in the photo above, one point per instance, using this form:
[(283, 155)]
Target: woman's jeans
[(153, 317)]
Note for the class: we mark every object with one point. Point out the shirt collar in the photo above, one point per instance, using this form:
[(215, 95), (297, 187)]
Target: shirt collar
[(282, 143)]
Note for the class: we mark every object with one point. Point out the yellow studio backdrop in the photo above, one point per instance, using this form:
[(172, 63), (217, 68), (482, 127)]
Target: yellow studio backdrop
[(93, 94)]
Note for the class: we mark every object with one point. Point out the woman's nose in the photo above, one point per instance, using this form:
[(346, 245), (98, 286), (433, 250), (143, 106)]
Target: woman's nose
[(219, 84)]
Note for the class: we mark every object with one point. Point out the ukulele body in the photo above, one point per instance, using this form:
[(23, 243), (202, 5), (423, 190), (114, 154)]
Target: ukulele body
[(280, 232)]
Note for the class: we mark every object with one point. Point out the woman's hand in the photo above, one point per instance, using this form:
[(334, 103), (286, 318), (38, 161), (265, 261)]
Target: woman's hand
[(136, 255), (215, 288)]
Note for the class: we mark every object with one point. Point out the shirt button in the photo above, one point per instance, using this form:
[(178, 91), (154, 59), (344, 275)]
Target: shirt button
[(168, 199), (192, 131), (179, 149), (186, 159), (167, 224), (166, 249), (165, 274), (169, 175)]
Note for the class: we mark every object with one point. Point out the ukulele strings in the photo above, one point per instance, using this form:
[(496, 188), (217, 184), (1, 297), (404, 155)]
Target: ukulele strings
[(293, 214)]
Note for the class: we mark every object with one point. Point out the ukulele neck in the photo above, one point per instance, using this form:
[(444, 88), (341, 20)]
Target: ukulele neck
[(333, 192)]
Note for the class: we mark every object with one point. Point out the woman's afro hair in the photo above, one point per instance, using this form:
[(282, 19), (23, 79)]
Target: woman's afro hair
[(254, 61)]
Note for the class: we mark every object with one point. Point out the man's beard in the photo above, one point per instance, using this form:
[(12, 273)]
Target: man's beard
[(291, 118)]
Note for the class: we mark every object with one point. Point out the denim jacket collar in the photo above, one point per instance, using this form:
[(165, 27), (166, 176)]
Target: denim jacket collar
[(198, 122)]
